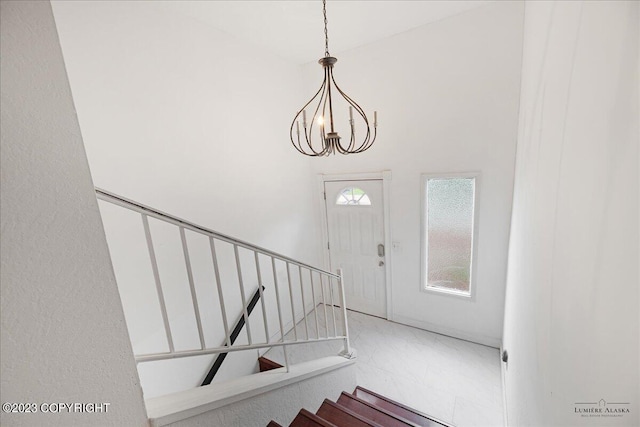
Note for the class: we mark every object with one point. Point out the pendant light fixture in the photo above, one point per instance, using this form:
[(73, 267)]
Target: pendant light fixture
[(318, 136)]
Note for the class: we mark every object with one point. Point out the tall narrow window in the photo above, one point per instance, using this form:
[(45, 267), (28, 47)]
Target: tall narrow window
[(448, 233)]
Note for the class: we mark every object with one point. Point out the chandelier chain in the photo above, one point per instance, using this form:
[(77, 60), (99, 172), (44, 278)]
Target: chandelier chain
[(326, 34)]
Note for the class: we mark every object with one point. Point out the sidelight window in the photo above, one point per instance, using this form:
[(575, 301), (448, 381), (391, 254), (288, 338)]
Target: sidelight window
[(448, 233)]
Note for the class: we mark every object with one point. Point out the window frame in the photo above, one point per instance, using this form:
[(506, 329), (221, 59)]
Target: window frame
[(424, 178)]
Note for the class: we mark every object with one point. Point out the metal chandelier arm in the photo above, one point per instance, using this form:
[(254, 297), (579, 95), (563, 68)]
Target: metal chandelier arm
[(307, 136), (313, 121), (367, 141), (330, 141)]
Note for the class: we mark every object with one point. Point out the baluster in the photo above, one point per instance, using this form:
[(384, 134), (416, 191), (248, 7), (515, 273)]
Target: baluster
[(156, 277), (324, 306), (333, 307), (264, 311), (304, 305), (293, 311), (315, 304), (244, 299), (347, 345), (192, 287), (216, 271), (275, 285)]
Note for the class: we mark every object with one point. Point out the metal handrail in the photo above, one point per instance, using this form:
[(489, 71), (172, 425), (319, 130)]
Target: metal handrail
[(228, 345), (139, 207)]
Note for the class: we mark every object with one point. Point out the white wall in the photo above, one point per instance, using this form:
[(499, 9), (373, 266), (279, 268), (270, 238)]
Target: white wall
[(571, 320), (63, 333), (160, 121), (185, 118), (447, 101)]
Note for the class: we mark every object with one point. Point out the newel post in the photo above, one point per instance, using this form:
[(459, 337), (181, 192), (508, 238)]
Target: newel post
[(348, 352)]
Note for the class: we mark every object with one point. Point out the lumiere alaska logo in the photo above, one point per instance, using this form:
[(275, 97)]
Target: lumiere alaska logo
[(601, 408)]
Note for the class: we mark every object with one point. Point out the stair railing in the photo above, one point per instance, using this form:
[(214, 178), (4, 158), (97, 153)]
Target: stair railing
[(329, 279)]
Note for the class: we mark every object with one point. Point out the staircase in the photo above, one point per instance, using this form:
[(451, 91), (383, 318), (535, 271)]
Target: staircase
[(362, 408)]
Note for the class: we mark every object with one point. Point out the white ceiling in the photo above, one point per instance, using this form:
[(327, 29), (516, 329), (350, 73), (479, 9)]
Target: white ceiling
[(294, 31)]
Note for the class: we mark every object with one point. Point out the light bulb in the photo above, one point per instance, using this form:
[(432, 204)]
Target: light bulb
[(320, 121)]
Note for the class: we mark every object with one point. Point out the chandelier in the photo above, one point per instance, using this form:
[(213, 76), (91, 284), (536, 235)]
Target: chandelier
[(321, 124)]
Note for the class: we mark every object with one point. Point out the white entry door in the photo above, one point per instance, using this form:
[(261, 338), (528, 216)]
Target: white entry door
[(355, 223)]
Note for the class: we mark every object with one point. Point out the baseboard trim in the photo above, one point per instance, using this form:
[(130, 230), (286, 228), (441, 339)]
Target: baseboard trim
[(450, 332)]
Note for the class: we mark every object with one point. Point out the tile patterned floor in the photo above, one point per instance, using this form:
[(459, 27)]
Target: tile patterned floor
[(450, 379)]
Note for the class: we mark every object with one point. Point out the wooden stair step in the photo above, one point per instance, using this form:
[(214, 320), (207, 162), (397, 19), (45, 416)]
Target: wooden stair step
[(372, 412), (397, 408), (267, 364), (343, 417), (273, 424), (309, 419)]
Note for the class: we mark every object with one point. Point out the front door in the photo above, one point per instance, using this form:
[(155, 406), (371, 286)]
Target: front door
[(355, 223)]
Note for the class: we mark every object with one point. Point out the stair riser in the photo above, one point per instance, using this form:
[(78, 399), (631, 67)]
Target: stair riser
[(340, 417), (396, 408), (368, 412)]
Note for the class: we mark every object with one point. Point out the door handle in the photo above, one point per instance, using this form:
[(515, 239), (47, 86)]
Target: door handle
[(380, 250), (381, 263)]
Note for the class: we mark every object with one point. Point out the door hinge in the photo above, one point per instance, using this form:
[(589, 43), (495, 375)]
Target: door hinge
[(328, 246), (325, 195)]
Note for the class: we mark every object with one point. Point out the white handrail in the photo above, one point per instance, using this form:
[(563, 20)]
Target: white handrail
[(227, 345), (143, 209), (188, 353)]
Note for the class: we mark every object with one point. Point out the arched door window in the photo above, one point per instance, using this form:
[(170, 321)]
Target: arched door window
[(353, 196)]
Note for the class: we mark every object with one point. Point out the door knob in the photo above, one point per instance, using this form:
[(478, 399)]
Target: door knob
[(381, 263)]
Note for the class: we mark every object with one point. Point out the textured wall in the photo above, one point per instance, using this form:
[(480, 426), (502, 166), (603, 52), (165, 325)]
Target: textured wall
[(571, 317), (63, 333)]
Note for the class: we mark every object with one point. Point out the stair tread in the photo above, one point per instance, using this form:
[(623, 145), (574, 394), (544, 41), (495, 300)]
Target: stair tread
[(373, 412), (363, 408), (309, 419), (404, 411), (343, 417)]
